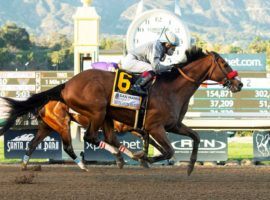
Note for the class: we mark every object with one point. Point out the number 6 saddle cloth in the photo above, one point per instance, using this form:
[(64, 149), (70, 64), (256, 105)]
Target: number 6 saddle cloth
[(122, 97)]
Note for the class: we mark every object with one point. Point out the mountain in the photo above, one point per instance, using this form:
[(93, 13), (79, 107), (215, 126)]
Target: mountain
[(223, 21)]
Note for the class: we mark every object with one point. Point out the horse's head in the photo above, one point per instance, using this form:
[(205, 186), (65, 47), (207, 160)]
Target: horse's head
[(220, 71)]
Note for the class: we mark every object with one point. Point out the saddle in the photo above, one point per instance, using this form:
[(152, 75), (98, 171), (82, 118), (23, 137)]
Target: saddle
[(123, 97)]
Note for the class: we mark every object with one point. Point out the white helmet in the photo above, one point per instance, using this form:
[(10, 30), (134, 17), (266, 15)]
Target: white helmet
[(169, 37)]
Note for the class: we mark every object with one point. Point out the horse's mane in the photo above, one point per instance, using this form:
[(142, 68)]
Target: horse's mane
[(192, 54)]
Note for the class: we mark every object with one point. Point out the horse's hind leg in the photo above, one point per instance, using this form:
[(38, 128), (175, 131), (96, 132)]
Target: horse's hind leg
[(120, 127), (43, 131), (110, 137), (91, 135), (68, 148), (114, 127), (57, 117), (64, 131)]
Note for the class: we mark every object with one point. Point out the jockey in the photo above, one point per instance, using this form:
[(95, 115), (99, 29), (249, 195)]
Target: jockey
[(146, 59)]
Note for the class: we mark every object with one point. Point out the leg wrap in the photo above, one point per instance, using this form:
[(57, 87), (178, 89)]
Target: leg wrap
[(104, 145), (26, 159), (126, 151), (80, 163)]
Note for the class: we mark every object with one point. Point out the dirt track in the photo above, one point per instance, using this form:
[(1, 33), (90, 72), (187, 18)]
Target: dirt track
[(68, 182)]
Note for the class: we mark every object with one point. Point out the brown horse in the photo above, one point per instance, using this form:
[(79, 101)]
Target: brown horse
[(89, 93), (55, 116)]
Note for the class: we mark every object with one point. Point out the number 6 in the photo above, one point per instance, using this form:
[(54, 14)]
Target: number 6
[(124, 83)]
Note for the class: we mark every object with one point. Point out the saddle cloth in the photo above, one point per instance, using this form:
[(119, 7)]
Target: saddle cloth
[(122, 97)]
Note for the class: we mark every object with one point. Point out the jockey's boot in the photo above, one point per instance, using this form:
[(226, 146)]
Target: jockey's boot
[(138, 87)]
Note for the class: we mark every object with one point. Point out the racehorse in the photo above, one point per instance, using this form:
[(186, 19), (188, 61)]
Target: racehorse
[(55, 116), (89, 93)]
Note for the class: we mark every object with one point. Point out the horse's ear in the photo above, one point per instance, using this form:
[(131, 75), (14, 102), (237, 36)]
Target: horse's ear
[(207, 52)]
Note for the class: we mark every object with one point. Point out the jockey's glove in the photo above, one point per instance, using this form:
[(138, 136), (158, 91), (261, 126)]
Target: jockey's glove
[(163, 68)]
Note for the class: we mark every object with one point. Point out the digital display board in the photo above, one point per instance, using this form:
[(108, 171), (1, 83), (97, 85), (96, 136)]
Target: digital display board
[(215, 101), (21, 85), (215, 106)]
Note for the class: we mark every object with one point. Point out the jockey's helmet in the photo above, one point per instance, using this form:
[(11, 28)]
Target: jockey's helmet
[(170, 38)]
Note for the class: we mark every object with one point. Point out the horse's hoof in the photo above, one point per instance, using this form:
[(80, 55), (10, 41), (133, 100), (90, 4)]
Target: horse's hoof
[(190, 168), (23, 167), (144, 164), (120, 165), (36, 168), (138, 155), (85, 169)]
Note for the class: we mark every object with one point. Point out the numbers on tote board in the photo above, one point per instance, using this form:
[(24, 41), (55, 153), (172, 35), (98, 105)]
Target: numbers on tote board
[(262, 93), (3, 81), (22, 94), (221, 103), (219, 93)]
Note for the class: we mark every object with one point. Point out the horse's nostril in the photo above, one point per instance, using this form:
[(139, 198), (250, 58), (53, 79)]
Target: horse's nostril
[(240, 85)]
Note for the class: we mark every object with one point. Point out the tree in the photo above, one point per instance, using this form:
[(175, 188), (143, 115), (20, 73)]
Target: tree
[(17, 51), (2, 41), (61, 41), (106, 43), (199, 42), (62, 59), (102, 43), (258, 45), (5, 57), (15, 36), (57, 57), (235, 49), (217, 47)]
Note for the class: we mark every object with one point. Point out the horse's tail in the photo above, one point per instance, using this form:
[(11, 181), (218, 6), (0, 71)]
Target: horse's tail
[(19, 108)]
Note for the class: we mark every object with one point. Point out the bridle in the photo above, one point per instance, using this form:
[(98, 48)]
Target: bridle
[(228, 76)]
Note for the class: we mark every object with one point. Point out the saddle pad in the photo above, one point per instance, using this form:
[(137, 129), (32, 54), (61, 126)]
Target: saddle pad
[(121, 96)]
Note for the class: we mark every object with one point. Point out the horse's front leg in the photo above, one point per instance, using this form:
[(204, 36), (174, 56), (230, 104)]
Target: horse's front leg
[(182, 129)]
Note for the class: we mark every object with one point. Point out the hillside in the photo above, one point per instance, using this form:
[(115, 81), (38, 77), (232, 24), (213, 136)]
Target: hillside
[(220, 21)]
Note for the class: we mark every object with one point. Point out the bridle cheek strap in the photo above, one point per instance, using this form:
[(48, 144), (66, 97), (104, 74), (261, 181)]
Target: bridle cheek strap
[(232, 74)]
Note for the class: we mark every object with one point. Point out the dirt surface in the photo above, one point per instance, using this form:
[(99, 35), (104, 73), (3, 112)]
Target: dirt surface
[(109, 182)]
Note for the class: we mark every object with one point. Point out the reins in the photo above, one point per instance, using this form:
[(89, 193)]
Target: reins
[(186, 76), (194, 81)]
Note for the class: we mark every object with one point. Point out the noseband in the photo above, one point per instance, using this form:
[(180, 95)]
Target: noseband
[(228, 75)]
